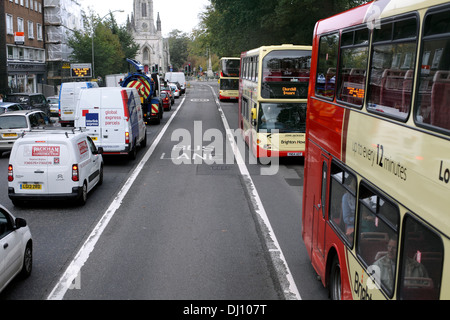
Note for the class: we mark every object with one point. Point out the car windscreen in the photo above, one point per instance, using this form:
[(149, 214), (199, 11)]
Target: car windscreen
[(13, 122), (18, 99)]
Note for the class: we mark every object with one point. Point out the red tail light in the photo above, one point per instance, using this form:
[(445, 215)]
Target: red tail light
[(125, 105), (10, 173), (127, 137), (75, 175)]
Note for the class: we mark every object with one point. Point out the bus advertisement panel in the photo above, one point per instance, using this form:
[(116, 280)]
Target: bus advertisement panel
[(375, 218), (273, 87), (229, 78)]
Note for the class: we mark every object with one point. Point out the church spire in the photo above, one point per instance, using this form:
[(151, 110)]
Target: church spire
[(158, 24)]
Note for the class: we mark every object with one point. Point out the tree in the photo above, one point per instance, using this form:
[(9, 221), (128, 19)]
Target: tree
[(178, 44), (233, 26), (112, 44)]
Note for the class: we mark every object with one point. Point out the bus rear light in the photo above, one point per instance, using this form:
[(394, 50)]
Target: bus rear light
[(10, 173), (75, 173)]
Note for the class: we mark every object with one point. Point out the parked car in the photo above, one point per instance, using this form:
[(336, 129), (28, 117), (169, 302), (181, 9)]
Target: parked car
[(54, 165), (9, 106), (16, 254), (29, 101), (167, 105), (13, 123), (53, 103)]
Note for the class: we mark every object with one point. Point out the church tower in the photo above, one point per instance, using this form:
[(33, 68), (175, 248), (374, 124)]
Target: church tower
[(153, 50)]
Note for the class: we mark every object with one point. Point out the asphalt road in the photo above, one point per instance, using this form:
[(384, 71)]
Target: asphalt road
[(181, 228)]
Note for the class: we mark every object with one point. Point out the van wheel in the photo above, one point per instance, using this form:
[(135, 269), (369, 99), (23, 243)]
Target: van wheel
[(27, 261), (100, 180), (133, 153), (83, 198), (144, 141)]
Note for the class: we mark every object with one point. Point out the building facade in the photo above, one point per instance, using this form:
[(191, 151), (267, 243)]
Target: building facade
[(61, 18), (154, 49), (23, 37)]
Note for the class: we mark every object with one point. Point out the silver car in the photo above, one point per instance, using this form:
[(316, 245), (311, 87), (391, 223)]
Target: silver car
[(53, 103), (13, 123)]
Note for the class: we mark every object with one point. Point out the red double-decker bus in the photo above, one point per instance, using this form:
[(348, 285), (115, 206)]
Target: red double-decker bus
[(376, 180)]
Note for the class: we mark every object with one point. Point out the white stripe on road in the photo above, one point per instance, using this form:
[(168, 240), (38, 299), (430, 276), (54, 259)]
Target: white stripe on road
[(73, 270), (280, 264)]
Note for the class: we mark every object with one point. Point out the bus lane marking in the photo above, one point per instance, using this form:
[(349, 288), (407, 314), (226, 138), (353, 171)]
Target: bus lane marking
[(70, 279), (279, 262)]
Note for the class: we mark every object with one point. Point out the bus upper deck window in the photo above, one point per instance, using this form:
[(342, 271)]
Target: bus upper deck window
[(434, 78), (326, 65)]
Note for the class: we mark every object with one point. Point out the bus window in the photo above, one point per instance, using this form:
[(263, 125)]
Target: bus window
[(326, 65), (421, 262), (377, 237), (434, 78), (352, 68), (286, 74), (343, 202), (391, 68), (285, 117)]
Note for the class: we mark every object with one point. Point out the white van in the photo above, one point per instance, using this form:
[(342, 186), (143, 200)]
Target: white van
[(68, 96), (54, 165), (113, 118), (177, 77)]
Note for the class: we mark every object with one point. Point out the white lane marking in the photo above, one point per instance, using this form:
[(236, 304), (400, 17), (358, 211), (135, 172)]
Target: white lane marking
[(290, 289), (74, 269)]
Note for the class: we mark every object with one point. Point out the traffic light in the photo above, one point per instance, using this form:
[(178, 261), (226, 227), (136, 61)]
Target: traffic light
[(189, 68)]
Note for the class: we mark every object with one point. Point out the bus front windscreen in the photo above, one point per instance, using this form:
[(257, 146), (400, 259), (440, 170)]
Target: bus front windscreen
[(284, 117), (229, 84), (230, 67), (286, 74)]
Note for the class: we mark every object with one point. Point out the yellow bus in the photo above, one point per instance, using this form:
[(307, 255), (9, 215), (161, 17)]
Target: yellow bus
[(229, 78), (375, 218), (273, 87)]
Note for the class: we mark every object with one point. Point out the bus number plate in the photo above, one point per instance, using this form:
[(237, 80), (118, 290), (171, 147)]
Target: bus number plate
[(294, 154)]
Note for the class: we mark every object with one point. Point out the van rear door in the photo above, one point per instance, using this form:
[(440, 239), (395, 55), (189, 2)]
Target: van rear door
[(114, 117), (88, 114), (32, 163), (59, 167)]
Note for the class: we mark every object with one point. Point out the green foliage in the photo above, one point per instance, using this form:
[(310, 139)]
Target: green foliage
[(233, 26), (112, 44)]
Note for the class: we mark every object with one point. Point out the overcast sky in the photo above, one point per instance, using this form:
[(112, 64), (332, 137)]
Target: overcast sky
[(174, 14)]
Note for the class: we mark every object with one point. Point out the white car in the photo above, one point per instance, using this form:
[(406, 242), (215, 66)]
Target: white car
[(16, 248), (175, 90)]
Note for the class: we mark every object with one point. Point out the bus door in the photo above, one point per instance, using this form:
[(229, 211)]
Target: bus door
[(320, 211)]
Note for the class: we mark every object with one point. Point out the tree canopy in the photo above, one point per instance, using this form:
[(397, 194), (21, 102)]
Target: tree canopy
[(112, 44), (230, 27)]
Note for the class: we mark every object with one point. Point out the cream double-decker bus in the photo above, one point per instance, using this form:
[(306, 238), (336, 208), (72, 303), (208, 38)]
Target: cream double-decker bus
[(273, 87), (229, 78), (375, 218)]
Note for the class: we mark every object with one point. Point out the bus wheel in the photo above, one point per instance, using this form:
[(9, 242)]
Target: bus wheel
[(335, 280)]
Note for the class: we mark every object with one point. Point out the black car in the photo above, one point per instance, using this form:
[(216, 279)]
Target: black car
[(29, 101)]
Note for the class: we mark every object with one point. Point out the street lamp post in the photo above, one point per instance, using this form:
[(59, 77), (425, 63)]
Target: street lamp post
[(93, 30)]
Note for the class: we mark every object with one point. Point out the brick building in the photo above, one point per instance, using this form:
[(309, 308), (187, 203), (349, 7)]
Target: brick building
[(23, 36)]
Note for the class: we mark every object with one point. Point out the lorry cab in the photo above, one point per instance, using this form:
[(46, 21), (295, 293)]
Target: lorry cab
[(113, 118)]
